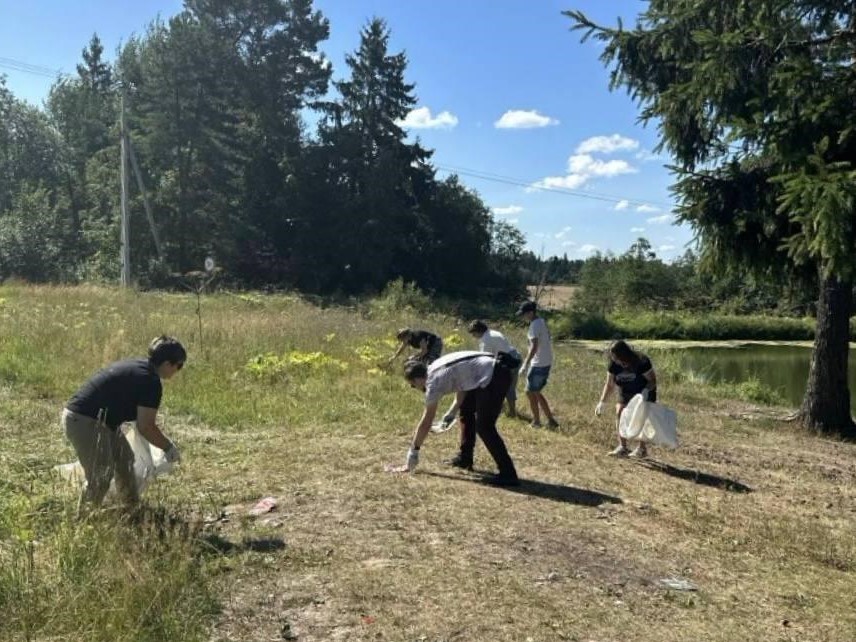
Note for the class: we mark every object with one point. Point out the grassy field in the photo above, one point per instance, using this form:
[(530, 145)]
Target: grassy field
[(281, 398)]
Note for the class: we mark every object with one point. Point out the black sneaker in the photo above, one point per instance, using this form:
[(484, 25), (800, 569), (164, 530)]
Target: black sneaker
[(502, 480), (459, 462)]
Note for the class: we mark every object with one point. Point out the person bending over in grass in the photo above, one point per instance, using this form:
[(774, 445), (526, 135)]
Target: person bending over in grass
[(632, 373), (536, 367), (480, 382), (123, 391), (494, 341), (430, 346)]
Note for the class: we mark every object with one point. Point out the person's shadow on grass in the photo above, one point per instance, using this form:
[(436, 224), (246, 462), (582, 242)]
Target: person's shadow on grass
[(544, 490), (213, 543), (697, 476)]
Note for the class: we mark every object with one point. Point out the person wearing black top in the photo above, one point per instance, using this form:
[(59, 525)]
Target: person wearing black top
[(430, 346), (123, 391), (632, 373)]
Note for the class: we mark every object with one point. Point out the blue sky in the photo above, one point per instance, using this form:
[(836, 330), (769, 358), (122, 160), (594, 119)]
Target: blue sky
[(506, 92)]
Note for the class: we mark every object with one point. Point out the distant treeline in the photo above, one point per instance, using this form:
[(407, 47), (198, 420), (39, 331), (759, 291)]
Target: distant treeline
[(250, 154)]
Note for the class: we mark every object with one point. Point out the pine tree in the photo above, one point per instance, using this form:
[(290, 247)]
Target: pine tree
[(754, 100)]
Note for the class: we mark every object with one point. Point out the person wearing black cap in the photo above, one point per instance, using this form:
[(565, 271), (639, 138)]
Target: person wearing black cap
[(123, 391), (536, 366), (480, 382)]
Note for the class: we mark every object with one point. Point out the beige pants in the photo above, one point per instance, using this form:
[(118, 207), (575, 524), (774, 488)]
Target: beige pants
[(103, 454)]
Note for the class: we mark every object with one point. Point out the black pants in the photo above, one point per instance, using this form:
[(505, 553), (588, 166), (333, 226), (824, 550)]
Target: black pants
[(479, 412)]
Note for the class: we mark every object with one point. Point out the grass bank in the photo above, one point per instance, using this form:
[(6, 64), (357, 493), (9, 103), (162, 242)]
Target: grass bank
[(282, 398)]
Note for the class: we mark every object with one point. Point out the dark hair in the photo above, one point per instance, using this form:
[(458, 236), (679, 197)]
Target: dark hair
[(527, 306), (164, 348), (477, 326), (404, 333), (414, 369), (621, 350)]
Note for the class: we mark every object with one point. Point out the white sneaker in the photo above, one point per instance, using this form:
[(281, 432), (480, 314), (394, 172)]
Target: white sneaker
[(640, 452), (620, 451)]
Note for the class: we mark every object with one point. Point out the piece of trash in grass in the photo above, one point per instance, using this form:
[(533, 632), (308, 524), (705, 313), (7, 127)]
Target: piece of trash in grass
[(395, 468), (677, 584), (263, 506)]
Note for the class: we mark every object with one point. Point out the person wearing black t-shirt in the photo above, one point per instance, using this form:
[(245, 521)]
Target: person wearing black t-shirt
[(631, 373), (123, 391), (430, 346)]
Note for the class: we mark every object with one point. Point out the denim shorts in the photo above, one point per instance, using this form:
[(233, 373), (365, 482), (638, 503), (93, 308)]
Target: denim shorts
[(536, 379)]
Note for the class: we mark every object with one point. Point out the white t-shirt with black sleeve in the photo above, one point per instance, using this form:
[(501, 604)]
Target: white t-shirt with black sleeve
[(538, 330), (458, 372)]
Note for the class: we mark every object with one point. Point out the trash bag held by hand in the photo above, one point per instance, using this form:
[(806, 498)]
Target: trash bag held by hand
[(649, 422), (149, 462)]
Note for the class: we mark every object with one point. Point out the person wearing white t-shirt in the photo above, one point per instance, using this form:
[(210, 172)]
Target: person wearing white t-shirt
[(494, 341), (480, 382), (537, 364)]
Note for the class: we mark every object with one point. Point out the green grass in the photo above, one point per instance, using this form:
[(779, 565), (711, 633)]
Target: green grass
[(282, 397)]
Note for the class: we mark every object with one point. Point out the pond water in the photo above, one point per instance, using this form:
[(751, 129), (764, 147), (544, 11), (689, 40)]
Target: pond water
[(783, 368)]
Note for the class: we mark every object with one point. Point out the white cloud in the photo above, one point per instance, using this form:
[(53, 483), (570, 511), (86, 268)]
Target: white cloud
[(660, 220), (588, 248), (646, 155), (622, 205), (564, 231), (637, 230), (523, 119), (582, 168), (607, 144), (507, 211), (665, 248), (568, 244), (513, 221), (647, 209), (421, 118)]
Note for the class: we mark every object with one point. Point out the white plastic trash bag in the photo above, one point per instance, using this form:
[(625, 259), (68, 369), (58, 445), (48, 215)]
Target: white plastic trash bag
[(149, 462), (649, 422)]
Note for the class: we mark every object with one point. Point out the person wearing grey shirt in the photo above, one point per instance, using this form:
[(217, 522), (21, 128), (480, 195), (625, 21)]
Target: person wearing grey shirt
[(480, 382)]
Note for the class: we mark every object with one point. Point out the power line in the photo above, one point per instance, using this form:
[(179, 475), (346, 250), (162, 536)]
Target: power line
[(27, 68), (507, 180)]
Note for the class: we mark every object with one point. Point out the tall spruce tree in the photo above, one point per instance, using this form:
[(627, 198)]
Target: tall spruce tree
[(378, 175), (755, 101), (83, 109)]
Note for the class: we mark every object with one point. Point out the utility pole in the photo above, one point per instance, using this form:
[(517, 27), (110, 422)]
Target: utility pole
[(126, 225)]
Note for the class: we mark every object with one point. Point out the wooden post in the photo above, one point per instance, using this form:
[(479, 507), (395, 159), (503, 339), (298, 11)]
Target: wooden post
[(126, 226)]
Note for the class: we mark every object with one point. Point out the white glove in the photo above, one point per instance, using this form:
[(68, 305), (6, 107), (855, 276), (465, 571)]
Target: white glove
[(523, 369), (172, 454), (412, 459), (598, 409)]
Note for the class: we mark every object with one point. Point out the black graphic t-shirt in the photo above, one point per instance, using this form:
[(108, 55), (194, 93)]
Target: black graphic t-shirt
[(631, 380)]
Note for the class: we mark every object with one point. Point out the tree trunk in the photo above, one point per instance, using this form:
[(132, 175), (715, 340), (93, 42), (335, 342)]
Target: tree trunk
[(826, 405)]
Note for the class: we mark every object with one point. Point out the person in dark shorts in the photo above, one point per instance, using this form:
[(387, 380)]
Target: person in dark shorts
[(127, 390), (480, 381), (428, 344), (632, 373)]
